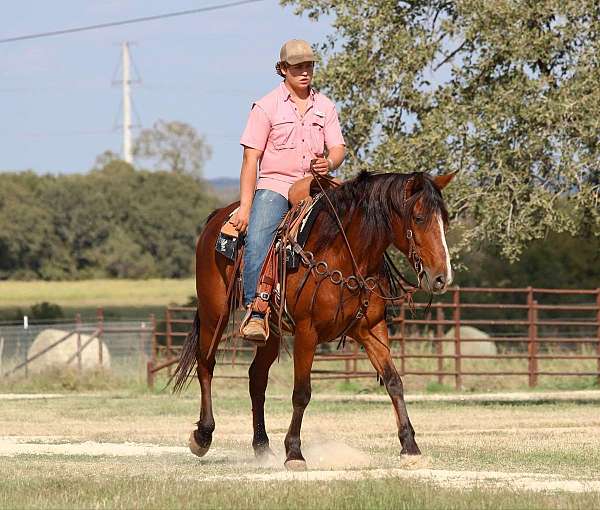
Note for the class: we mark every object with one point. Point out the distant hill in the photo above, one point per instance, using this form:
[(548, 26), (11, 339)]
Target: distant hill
[(226, 188)]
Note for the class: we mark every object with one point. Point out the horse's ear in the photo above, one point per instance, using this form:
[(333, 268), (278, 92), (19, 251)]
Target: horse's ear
[(413, 185), (441, 181)]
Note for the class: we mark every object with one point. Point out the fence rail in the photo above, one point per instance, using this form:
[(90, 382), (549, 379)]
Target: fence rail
[(528, 333), (520, 332)]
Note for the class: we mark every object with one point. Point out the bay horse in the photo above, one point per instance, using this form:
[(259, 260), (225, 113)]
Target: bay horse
[(376, 211)]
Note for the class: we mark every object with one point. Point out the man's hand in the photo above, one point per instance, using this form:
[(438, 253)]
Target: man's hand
[(321, 165), (240, 219)]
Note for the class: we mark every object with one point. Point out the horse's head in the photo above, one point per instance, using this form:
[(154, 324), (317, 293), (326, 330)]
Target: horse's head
[(421, 233)]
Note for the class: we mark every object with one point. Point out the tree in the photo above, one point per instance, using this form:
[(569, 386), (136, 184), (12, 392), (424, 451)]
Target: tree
[(505, 92), (115, 222), (105, 158), (173, 146)]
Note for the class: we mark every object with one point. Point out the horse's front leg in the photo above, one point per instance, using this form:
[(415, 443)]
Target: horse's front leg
[(258, 380), (304, 352), (376, 344)]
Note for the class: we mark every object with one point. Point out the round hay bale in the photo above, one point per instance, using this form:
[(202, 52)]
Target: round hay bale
[(60, 355), (483, 346)]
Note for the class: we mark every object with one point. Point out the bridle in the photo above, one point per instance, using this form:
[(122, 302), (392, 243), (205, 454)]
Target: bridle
[(414, 257), (357, 282)]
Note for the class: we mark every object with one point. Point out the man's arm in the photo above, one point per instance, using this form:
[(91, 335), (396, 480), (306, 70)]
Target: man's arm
[(247, 186), (333, 160)]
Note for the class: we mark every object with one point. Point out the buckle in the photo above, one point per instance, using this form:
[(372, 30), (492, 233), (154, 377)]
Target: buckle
[(264, 296)]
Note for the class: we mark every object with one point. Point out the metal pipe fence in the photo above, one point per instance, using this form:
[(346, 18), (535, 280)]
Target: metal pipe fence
[(471, 332), (529, 333)]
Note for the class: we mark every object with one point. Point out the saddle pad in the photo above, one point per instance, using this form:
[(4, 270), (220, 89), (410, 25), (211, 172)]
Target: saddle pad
[(292, 258), (309, 220)]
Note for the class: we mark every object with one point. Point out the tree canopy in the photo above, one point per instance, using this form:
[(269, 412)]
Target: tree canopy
[(505, 92), (174, 147), (112, 222)]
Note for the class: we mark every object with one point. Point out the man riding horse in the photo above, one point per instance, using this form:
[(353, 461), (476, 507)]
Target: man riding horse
[(287, 129), (344, 279)]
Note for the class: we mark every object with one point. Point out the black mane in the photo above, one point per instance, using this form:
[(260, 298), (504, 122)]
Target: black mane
[(380, 198)]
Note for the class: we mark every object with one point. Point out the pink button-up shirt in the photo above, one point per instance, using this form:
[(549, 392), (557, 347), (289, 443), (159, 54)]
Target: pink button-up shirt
[(289, 141)]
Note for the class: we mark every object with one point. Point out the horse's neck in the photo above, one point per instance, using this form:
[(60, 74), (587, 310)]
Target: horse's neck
[(367, 253)]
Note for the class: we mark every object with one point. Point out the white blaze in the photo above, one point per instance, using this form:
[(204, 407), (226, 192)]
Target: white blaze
[(443, 237)]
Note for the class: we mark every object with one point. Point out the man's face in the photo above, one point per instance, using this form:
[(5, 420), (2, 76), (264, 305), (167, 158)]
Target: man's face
[(299, 75)]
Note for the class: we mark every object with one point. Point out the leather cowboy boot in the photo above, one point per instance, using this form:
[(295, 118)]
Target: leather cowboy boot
[(254, 328)]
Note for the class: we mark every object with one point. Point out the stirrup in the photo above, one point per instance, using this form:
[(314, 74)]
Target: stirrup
[(246, 320)]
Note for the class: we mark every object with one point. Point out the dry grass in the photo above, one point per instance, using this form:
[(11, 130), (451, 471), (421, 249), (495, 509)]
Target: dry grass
[(551, 439)]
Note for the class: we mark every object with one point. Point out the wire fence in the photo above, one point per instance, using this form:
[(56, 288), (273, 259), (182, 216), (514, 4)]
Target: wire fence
[(122, 346)]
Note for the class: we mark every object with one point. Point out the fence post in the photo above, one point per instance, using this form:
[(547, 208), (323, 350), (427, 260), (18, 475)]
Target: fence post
[(169, 337), (598, 335), (100, 319), (402, 335), (347, 362), (439, 345), (150, 374), (153, 346), (26, 327), (532, 334), (2, 350), (77, 328), (457, 359)]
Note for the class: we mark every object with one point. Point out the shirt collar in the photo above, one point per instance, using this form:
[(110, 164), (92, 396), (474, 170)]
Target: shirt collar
[(286, 94)]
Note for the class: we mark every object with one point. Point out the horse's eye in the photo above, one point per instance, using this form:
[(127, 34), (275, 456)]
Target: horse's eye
[(419, 220)]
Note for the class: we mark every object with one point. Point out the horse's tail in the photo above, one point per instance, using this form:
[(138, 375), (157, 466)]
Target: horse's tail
[(188, 360)]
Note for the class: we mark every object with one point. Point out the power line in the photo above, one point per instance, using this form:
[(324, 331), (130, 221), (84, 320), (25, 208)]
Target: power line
[(127, 21)]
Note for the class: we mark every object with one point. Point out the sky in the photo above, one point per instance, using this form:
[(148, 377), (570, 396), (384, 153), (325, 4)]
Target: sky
[(59, 108)]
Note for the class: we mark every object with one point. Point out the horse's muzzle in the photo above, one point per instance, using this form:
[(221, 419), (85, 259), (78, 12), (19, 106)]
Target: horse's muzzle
[(438, 284)]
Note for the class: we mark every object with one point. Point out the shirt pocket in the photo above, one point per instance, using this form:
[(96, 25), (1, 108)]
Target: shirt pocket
[(317, 135), (283, 133)]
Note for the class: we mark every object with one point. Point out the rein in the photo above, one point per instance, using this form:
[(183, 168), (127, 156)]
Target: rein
[(357, 281)]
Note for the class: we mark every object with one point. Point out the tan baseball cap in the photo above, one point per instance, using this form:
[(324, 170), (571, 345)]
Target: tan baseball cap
[(295, 51)]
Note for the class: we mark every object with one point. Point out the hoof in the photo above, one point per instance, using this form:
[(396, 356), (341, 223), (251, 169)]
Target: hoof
[(263, 451), (295, 465), (195, 448), (411, 451)]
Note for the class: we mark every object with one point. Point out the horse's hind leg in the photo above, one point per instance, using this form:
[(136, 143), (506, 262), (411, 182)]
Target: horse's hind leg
[(376, 344), (258, 380), (201, 438)]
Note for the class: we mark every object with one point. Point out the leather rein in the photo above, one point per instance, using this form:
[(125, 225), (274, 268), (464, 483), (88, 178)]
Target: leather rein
[(356, 281)]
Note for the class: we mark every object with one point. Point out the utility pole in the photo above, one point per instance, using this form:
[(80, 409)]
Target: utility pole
[(127, 149)]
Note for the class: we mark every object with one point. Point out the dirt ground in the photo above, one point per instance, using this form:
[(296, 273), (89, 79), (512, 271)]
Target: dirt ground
[(545, 446)]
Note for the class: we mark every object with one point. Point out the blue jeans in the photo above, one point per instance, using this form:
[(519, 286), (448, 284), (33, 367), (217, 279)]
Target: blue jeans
[(268, 209)]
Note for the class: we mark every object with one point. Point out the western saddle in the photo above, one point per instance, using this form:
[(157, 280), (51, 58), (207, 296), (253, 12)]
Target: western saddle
[(291, 233)]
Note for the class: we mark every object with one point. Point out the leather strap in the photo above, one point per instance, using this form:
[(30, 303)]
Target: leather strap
[(230, 288)]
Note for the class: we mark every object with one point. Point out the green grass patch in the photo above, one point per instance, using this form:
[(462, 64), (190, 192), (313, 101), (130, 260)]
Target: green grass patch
[(93, 293)]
